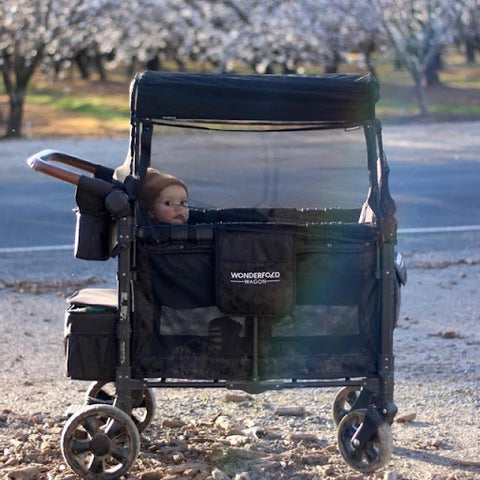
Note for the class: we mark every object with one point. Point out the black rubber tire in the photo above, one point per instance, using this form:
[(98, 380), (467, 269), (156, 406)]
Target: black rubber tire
[(100, 443), (344, 401), (376, 453), (143, 402)]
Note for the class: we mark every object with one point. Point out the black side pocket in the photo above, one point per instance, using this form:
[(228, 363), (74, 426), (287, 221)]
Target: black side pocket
[(255, 272), (94, 222), (90, 343), (92, 236)]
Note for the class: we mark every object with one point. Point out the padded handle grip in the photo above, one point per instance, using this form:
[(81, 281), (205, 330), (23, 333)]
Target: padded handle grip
[(40, 163)]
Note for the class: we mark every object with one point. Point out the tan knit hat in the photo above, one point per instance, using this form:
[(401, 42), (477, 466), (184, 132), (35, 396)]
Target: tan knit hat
[(155, 182)]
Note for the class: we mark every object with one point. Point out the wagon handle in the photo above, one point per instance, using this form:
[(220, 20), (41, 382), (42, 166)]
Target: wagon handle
[(40, 163)]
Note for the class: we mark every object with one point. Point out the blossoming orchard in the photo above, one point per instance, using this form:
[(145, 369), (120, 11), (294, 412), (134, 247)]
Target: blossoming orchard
[(262, 36)]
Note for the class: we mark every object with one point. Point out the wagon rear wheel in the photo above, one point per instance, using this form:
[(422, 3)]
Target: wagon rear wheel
[(143, 401), (100, 443), (344, 402), (376, 453)]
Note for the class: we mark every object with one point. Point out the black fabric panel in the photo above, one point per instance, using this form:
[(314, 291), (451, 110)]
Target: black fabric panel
[(331, 276), (94, 222), (332, 265), (255, 272), (91, 343), (333, 99), (182, 275)]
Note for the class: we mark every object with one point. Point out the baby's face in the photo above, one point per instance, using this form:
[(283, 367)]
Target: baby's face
[(171, 206)]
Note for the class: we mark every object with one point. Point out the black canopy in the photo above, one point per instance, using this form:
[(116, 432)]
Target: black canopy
[(326, 101)]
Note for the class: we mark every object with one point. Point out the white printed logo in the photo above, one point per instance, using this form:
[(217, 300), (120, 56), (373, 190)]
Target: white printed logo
[(254, 278)]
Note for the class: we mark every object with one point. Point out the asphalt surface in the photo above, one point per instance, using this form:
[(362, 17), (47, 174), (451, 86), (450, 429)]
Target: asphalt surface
[(434, 178)]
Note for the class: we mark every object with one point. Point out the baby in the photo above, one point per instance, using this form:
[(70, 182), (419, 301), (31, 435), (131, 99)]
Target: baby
[(165, 197)]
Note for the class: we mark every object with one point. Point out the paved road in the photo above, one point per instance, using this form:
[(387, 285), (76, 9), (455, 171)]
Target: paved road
[(435, 173)]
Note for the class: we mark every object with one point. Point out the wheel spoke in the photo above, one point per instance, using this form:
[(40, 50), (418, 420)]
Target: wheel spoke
[(114, 429), (80, 446), (120, 454), (96, 465), (371, 453), (356, 455), (91, 424)]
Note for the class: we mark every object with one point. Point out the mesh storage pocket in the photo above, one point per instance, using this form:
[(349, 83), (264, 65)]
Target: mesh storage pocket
[(255, 272), (90, 343)]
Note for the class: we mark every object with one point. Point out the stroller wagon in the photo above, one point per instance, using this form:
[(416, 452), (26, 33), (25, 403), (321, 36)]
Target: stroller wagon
[(244, 270)]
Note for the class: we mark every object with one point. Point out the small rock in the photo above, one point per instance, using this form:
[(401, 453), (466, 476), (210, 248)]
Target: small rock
[(290, 411), (243, 454), (449, 334), (329, 471), (151, 475), (436, 442), (27, 473), (390, 476), (267, 433), (242, 476), (173, 423), (224, 422), (237, 397), (219, 475), (406, 418), (178, 457), (237, 440), (315, 459), (303, 437), (11, 462)]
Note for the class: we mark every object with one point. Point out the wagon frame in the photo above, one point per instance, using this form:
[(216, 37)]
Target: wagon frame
[(110, 225)]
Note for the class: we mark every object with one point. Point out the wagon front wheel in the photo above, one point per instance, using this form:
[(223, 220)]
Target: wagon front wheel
[(344, 402), (100, 443), (143, 401), (377, 451)]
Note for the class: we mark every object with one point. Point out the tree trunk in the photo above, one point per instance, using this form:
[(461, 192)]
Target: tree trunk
[(132, 66), (16, 75), (432, 66), (431, 76), (419, 90), (15, 118), (98, 61), (82, 61), (333, 63), (469, 51)]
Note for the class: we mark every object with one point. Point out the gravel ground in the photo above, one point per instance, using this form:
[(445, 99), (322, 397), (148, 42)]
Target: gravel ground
[(210, 434)]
